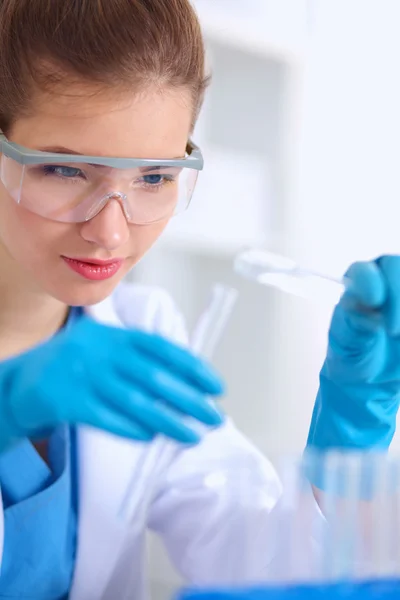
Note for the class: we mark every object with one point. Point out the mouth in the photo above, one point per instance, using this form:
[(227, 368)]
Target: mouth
[(94, 269)]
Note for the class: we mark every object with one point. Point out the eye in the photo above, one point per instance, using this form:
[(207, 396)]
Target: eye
[(153, 179), (63, 171)]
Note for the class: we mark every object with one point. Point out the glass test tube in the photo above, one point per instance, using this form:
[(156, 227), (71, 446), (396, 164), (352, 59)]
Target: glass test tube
[(206, 335)]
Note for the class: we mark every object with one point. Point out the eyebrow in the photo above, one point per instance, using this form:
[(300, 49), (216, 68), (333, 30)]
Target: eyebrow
[(59, 150), (63, 150), (154, 168)]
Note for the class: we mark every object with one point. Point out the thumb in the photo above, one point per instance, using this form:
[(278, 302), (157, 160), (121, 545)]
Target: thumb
[(366, 294), (390, 269), (357, 327)]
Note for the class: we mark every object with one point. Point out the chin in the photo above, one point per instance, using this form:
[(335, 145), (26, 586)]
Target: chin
[(85, 294)]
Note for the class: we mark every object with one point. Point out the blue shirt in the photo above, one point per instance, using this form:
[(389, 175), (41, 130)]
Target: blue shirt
[(40, 512)]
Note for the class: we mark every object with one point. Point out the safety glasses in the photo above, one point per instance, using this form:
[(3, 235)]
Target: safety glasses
[(73, 188)]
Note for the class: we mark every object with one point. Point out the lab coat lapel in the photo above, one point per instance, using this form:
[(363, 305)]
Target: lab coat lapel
[(103, 474), (105, 470)]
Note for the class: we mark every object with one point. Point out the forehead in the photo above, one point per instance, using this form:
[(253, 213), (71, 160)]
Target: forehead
[(152, 124)]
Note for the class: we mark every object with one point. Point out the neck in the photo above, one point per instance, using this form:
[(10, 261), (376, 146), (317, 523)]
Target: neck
[(28, 315)]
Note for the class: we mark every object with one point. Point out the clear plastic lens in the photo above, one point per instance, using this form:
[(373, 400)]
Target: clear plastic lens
[(73, 192)]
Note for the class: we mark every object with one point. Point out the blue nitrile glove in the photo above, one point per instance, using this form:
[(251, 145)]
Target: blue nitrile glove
[(129, 383), (358, 397)]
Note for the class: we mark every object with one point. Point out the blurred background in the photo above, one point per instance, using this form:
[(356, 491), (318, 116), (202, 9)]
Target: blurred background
[(301, 137)]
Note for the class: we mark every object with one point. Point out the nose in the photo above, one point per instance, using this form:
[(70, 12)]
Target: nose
[(109, 229)]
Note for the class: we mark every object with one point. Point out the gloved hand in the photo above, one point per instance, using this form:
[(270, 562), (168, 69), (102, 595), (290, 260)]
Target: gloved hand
[(359, 390), (129, 383)]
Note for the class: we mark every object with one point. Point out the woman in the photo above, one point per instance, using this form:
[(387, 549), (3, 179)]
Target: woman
[(97, 104)]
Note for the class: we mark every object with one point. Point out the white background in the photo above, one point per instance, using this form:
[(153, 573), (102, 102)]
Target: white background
[(301, 134)]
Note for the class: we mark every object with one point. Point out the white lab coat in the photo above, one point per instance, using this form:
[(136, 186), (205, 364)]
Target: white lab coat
[(217, 506)]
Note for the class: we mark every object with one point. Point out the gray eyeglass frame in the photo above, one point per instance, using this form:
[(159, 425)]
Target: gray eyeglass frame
[(26, 156)]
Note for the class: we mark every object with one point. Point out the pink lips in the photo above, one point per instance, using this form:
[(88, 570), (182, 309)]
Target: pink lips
[(93, 269)]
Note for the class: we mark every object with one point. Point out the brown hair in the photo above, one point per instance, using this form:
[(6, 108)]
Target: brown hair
[(105, 42)]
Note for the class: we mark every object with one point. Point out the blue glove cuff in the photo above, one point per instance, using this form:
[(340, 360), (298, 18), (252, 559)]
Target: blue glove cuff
[(350, 417)]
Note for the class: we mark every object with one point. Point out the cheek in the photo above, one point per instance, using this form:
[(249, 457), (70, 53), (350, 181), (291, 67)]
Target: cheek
[(17, 227), (144, 236), (28, 238)]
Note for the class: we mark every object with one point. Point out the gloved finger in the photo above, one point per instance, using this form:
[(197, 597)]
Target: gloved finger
[(164, 385), (157, 417), (158, 377), (359, 308), (118, 344), (366, 286), (105, 417), (145, 410), (180, 360), (390, 267)]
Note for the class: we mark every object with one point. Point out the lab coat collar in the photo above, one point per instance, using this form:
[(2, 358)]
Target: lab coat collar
[(105, 312)]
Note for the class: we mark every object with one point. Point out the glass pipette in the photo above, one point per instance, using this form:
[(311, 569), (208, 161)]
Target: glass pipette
[(212, 323), (285, 274), (204, 340)]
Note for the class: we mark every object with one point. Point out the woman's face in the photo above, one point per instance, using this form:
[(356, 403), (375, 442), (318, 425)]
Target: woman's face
[(152, 125)]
